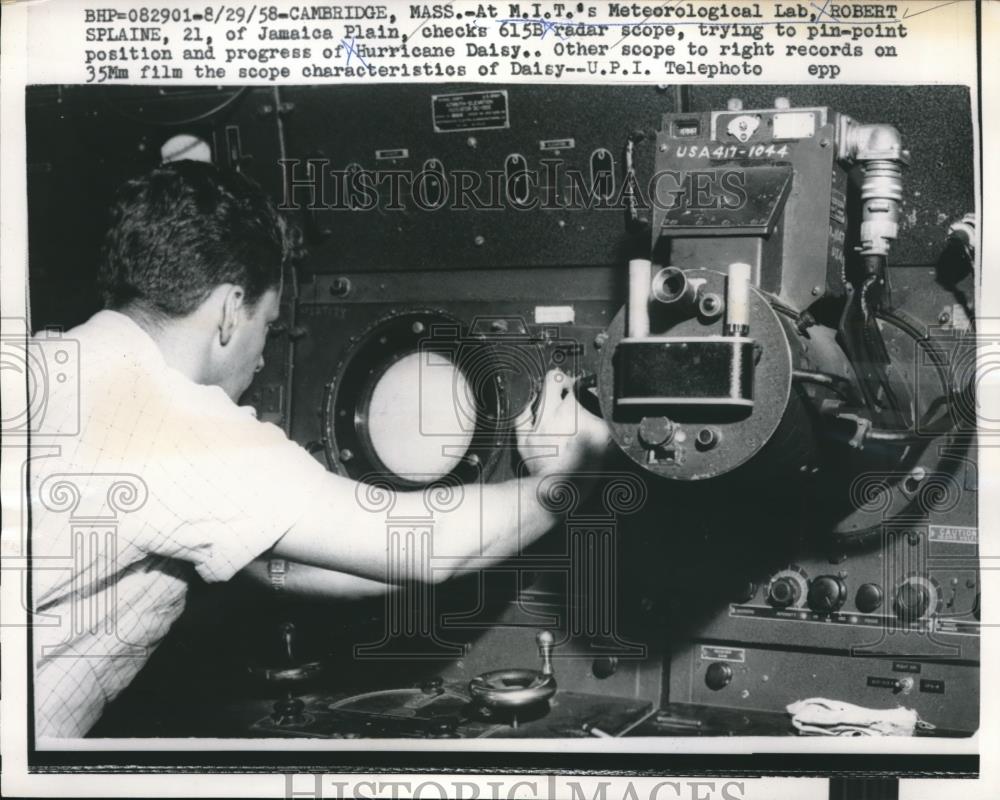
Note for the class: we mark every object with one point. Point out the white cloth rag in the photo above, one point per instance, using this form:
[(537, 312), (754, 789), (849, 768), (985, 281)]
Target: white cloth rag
[(824, 717)]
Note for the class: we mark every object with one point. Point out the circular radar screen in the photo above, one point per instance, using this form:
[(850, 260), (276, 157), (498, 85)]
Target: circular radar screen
[(419, 414), (414, 400)]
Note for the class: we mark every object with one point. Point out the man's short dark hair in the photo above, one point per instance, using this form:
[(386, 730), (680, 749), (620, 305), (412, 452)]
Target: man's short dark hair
[(181, 230)]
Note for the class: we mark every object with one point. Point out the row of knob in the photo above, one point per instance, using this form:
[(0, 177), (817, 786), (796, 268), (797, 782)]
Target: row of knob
[(914, 598)]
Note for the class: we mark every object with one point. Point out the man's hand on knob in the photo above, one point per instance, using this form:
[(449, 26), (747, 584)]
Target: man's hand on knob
[(561, 423)]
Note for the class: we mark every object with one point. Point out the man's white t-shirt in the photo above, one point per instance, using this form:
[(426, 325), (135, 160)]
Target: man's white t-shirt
[(138, 479)]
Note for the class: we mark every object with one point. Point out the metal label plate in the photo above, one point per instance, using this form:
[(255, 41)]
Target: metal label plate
[(470, 111)]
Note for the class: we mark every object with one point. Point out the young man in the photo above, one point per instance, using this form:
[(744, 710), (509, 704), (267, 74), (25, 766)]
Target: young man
[(149, 471)]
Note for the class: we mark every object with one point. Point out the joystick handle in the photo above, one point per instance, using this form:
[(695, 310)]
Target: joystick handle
[(545, 640)]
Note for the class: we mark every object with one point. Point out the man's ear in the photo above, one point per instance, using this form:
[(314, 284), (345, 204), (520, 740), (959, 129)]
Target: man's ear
[(232, 305)]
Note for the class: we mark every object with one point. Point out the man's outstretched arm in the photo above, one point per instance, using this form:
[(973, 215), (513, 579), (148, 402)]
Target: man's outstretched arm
[(484, 524), (487, 524)]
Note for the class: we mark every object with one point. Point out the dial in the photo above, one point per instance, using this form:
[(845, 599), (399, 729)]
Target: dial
[(784, 592), (787, 588)]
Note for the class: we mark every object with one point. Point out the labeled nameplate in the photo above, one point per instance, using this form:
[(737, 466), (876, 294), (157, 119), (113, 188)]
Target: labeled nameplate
[(470, 111)]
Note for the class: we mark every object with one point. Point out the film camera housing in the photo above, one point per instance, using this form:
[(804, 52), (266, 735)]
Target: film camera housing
[(759, 341)]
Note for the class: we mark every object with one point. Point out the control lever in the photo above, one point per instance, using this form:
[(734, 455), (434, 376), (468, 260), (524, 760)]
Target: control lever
[(289, 710), (288, 638), (545, 640), (289, 667)]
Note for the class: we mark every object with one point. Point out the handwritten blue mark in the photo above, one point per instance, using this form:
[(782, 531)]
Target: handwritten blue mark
[(551, 26), (352, 51), (555, 24), (822, 11)]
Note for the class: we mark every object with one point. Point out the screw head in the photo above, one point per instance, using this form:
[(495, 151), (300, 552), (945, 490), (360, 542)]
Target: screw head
[(340, 287)]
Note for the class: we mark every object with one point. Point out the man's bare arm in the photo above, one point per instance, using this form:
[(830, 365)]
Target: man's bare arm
[(488, 524)]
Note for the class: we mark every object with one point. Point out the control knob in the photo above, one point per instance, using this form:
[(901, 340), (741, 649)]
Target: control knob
[(786, 589), (915, 597), (718, 675), (869, 598), (827, 593)]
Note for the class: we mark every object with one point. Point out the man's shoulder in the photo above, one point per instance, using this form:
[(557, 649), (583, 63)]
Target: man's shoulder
[(104, 325), (112, 376), (106, 338)]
